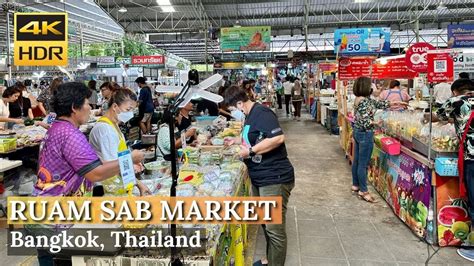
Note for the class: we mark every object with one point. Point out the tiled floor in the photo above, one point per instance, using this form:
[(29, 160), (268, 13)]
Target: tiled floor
[(326, 225)]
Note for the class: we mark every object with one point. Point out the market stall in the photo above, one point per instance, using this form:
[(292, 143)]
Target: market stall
[(413, 166), (211, 169)]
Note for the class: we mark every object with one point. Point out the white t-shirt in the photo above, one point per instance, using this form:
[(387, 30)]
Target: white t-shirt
[(442, 92), (4, 112), (105, 140), (287, 86)]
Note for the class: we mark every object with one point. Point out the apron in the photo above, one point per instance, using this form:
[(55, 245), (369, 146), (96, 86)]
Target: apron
[(114, 185), (398, 92), (462, 186)]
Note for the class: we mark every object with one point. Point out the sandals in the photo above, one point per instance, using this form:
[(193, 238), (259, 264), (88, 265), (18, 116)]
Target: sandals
[(354, 190), (367, 197)]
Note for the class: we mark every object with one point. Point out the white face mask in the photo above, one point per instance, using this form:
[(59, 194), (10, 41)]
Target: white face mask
[(124, 117), (237, 114), (25, 94)]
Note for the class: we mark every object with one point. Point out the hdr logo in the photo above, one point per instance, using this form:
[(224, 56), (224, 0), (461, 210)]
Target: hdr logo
[(40, 39)]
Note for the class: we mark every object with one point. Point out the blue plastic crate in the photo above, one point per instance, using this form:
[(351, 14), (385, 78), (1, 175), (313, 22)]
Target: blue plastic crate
[(446, 166)]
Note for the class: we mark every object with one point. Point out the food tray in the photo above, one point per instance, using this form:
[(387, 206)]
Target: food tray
[(423, 149)]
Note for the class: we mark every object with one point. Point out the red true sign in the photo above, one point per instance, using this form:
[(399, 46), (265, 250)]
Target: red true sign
[(416, 57), (393, 69), (148, 60), (352, 68), (440, 66)]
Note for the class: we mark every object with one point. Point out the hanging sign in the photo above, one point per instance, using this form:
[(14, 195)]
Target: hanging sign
[(40, 39), (392, 69), (461, 35), (440, 66), (327, 67), (362, 41), (463, 62), (352, 68), (245, 38), (148, 60), (416, 57)]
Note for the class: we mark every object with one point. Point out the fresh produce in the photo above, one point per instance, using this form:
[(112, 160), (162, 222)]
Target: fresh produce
[(461, 230), (29, 122), (448, 215)]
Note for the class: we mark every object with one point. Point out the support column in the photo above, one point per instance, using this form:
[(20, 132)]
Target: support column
[(9, 63)]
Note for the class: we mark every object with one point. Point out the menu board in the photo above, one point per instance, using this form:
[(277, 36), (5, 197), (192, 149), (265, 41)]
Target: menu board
[(393, 69), (352, 68)]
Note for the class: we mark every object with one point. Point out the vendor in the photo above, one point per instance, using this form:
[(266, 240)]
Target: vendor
[(9, 96), (184, 118), (22, 106), (270, 170), (108, 140), (164, 144), (46, 95), (442, 93), (460, 108), (223, 108), (395, 94), (68, 164), (106, 89), (66, 159)]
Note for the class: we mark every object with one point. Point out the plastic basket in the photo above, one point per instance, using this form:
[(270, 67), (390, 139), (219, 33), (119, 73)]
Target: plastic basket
[(446, 166), (7, 145)]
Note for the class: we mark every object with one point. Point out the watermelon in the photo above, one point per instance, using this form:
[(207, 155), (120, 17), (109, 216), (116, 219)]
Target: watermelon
[(450, 214), (460, 203)]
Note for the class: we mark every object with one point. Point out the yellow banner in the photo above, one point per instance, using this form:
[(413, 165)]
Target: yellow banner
[(144, 210), (40, 39)]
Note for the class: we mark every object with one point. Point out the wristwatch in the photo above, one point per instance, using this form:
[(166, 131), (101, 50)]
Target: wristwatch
[(251, 152)]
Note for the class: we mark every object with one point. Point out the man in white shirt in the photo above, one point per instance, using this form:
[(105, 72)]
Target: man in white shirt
[(287, 87), (442, 92)]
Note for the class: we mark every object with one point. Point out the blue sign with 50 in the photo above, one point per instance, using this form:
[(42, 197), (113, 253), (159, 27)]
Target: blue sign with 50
[(362, 41)]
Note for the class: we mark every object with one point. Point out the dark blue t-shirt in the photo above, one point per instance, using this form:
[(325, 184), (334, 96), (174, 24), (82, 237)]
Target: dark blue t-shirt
[(274, 166), (146, 100)]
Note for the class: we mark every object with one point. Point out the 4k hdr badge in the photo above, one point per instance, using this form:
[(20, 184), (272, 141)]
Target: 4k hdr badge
[(40, 39)]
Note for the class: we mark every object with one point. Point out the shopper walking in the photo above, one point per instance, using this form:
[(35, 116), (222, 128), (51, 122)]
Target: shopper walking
[(270, 170), (45, 97), (146, 107), (9, 96), (395, 94), (461, 110), (363, 133), (297, 99), (279, 92), (108, 140), (287, 87)]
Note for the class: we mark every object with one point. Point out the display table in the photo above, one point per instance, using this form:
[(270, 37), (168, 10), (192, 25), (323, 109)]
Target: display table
[(227, 246)]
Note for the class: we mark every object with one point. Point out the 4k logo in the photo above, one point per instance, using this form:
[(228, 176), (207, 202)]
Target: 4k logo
[(40, 39)]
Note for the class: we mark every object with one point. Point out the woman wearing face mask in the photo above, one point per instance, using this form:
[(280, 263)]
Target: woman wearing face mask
[(108, 140)]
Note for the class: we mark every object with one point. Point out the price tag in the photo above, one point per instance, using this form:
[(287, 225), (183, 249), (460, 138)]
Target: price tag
[(126, 169)]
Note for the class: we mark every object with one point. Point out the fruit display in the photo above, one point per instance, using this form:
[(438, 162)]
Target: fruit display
[(448, 215), (443, 137), (401, 124)]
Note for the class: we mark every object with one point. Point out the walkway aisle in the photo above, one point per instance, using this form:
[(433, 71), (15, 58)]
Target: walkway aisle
[(327, 225)]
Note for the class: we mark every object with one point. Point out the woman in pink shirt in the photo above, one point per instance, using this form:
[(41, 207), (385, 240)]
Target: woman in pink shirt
[(395, 94)]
